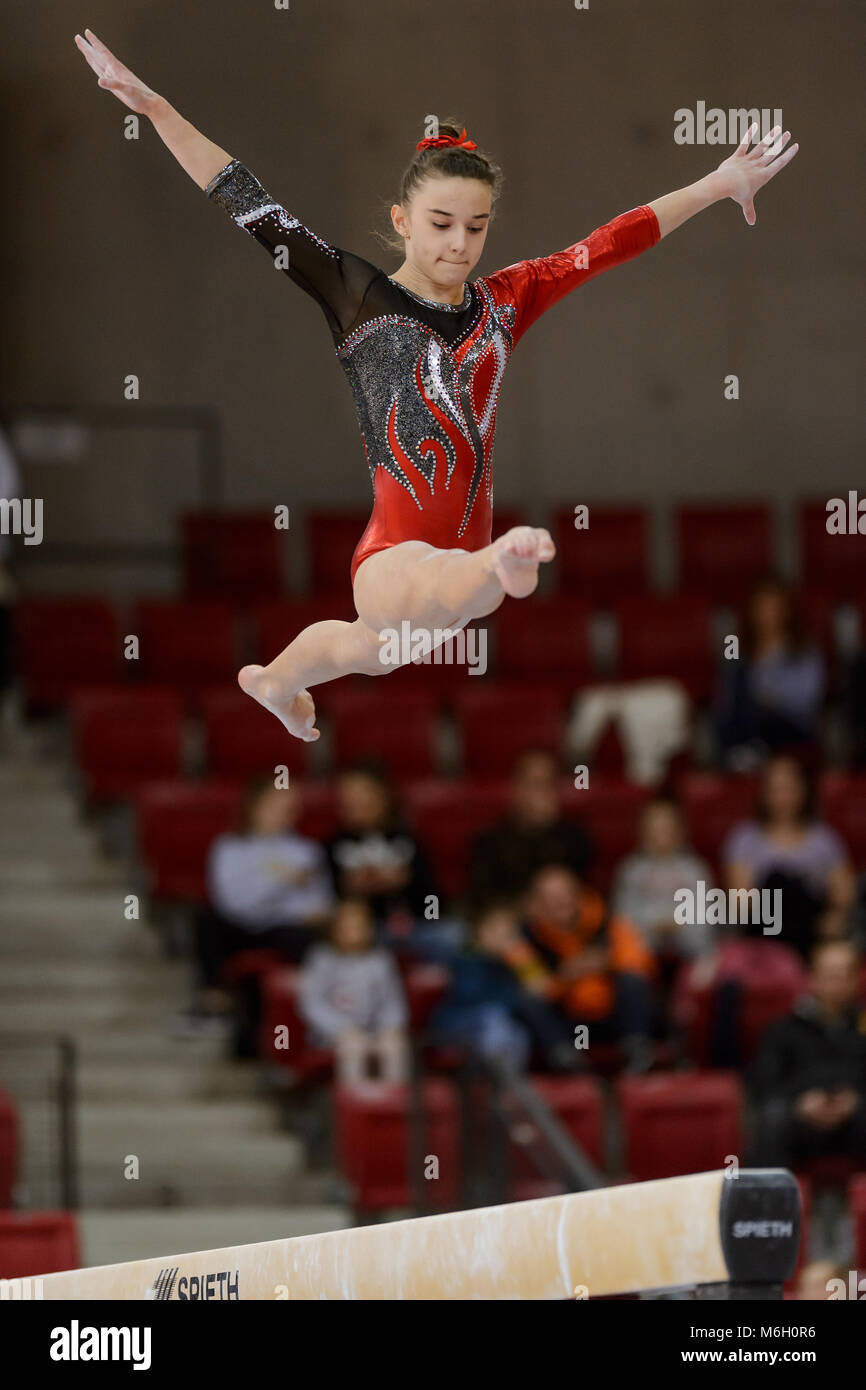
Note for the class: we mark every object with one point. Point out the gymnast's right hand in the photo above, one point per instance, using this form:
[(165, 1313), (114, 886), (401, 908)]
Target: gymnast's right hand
[(114, 77)]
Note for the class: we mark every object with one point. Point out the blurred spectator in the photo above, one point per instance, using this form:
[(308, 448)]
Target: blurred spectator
[(374, 856), (769, 699), (503, 859), (601, 967), (788, 847), (497, 1003), (352, 998), (646, 881), (268, 887), (809, 1077)]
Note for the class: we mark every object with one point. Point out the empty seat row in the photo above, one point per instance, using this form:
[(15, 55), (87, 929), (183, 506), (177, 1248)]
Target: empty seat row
[(670, 1125), (723, 550), (38, 1242), (194, 644)]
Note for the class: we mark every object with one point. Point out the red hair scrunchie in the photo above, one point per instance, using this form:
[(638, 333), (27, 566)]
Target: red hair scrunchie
[(442, 141)]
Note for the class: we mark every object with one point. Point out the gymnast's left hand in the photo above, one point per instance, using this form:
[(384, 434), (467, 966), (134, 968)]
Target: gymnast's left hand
[(745, 171)]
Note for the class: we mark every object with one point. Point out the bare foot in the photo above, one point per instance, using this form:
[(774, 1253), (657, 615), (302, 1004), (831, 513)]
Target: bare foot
[(294, 709), (515, 558)]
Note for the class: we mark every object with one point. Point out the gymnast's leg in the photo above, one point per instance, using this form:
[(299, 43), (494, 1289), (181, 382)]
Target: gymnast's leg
[(436, 588), (322, 652), (414, 581)]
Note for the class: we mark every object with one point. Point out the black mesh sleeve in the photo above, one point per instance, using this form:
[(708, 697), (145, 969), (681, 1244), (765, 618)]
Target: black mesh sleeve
[(337, 279)]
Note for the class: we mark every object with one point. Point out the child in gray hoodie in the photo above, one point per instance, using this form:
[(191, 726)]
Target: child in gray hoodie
[(351, 996)]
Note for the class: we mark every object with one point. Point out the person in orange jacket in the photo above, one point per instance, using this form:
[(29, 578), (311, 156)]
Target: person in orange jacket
[(600, 972)]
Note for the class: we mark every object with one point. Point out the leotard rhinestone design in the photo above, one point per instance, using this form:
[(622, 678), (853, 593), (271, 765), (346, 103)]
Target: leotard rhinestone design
[(425, 376)]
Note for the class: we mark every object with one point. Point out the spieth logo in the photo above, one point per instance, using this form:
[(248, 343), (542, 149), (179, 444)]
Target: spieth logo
[(196, 1288), (764, 1230)]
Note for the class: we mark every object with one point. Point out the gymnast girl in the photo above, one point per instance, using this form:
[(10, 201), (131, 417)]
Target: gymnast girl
[(424, 351)]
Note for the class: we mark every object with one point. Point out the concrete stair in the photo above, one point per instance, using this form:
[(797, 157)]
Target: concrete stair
[(206, 1132)]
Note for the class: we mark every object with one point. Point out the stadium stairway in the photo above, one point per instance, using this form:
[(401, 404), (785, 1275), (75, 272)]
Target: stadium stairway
[(205, 1134)]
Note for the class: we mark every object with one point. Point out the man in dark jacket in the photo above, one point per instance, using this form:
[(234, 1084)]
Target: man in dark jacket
[(504, 858), (809, 1077)]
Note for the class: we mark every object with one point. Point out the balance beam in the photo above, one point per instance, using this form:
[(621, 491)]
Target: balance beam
[(738, 1234)]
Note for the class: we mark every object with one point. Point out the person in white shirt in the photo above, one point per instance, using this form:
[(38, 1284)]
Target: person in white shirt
[(268, 887), (352, 998)]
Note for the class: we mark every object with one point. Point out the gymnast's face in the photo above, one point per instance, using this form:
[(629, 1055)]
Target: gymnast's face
[(444, 227)]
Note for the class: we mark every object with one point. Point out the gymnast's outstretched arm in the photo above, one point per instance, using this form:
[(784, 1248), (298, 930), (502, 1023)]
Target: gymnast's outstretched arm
[(738, 177), (337, 280), (200, 157)]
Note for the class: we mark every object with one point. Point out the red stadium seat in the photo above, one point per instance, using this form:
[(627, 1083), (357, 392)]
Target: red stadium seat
[(447, 816), (177, 823), (578, 1103), (772, 977), (331, 540), (283, 1033), (65, 643), (375, 1150), (713, 805), (857, 1200), (426, 987), (608, 559), (37, 1242), (124, 737), (192, 644), (842, 798), (834, 563), (546, 639), (681, 1123), (610, 811), (235, 556), (450, 667), (242, 738), (257, 962), (319, 816), (829, 1170), (277, 622), (500, 720), (667, 635), (397, 727), (8, 1148), (724, 549)]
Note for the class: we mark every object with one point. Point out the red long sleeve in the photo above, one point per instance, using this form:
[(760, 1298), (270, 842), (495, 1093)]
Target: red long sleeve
[(535, 286)]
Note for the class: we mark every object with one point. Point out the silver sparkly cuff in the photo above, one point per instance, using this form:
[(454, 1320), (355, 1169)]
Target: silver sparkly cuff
[(236, 190)]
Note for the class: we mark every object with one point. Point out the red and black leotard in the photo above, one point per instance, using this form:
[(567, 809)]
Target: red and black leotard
[(425, 376)]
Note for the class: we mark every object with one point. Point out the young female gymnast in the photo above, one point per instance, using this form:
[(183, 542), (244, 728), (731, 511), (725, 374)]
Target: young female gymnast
[(424, 350)]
